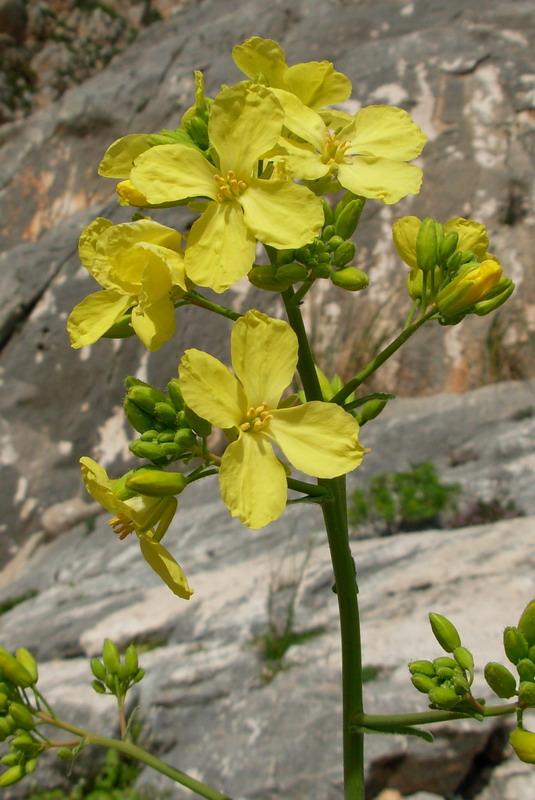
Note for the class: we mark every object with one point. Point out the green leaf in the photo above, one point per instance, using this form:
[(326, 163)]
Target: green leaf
[(402, 730)]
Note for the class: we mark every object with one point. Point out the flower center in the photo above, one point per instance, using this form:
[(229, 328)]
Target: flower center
[(334, 150), (230, 187), (122, 526), (256, 419)]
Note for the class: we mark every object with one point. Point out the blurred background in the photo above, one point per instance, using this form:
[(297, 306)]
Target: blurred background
[(74, 76)]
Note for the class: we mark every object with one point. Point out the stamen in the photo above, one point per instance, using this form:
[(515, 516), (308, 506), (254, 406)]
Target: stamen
[(245, 426), (122, 526), (230, 187)]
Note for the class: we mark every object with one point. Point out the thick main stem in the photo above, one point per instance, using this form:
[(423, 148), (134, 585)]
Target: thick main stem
[(335, 517)]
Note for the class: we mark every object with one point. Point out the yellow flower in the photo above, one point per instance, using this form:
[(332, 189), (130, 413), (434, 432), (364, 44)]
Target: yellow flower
[(472, 236), (139, 265), (368, 154), (245, 123), (473, 283), (315, 83), (523, 743), (320, 439), (134, 513)]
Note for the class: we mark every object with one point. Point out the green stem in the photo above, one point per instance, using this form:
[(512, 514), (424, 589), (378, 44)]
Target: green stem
[(377, 721), (303, 290), (307, 488), (334, 514), (132, 750), (196, 299), (376, 362)]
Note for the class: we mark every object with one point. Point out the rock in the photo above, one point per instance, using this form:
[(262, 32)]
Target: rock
[(13, 18), (61, 517)]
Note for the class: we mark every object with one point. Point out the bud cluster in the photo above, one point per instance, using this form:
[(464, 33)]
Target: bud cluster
[(446, 679), (519, 646), (328, 256), (113, 675), (17, 720), (169, 429)]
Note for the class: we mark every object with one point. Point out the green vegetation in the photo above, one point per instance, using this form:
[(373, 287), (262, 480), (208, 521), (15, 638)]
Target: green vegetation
[(403, 501)]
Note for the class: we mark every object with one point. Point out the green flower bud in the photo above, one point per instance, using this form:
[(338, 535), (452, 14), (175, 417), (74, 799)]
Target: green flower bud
[(444, 697), (146, 397), (166, 436), (328, 213), (422, 667), (293, 272), (464, 658), (370, 410), (526, 692), (10, 759), (3, 701), (344, 254), (423, 683), (445, 632), (111, 682), (415, 284), (303, 254), (531, 654), (523, 743), (22, 717), (526, 669), (348, 218), (526, 623), (495, 299), (198, 130), (139, 675), (448, 245), (97, 668), (6, 728), (426, 245), (265, 277), (110, 657), (460, 685), (131, 659), (334, 242), (515, 644), (121, 329), (26, 744), (321, 270), (150, 435), (98, 687), (445, 673), (157, 482), (150, 450), (198, 424), (324, 258), (123, 674), (284, 257), (12, 775), (170, 449), (175, 394), (27, 660), (166, 413), (350, 278), (319, 247), (328, 232), (185, 439), (64, 753), (501, 681), (13, 670)]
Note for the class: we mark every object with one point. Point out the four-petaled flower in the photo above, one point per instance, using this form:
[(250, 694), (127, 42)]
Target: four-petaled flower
[(147, 517), (245, 123), (140, 265), (318, 438)]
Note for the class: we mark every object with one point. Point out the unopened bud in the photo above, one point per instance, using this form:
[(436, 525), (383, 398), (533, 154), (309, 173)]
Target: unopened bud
[(166, 413), (526, 623), (423, 683), (523, 743), (445, 632), (426, 245), (110, 657), (350, 278), (157, 482), (348, 218), (422, 667), (198, 424), (10, 759), (460, 685), (328, 232), (138, 419), (501, 681), (265, 277), (98, 669), (415, 284), (333, 243), (139, 675), (22, 717), (26, 744), (526, 669), (175, 394), (146, 397), (328, 213), (344, 254), (12, 775), (27, 660), (185, 439), (150, 450), (444, 661), (447, 246), (13, 670), (7, 726), (131, 659), (464, 658), (284, 257), (321, 270), (444, 697), (370, 410), (515, 644), (445, 673), (526, 692), (198, 130), (293, 272), (496, 298), (98, 687), (64, 753)]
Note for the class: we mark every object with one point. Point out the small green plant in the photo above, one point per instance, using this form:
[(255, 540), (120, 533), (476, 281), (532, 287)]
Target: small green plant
[(403, 501), (483, 511)]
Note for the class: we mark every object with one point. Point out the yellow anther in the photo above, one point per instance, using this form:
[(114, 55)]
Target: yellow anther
[(230, 187), (122, 526), (245, 426), (251, 412), (220, 180), (257, 424)]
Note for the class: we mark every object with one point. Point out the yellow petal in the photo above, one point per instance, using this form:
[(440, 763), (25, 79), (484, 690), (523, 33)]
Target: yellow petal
[(154, 323), (282, 214), (264, 357), (98, 484), (301, 120), (380, 178), (220, 249), (317, 83), (252, 481), (88, 241), (384, 131), (472, 235), (405, 232), (163, 563), (320, 439), (122, 153), (173, 261), (211, 390), (261, 56), (245, 122), (172, 172), (91, 318), (302, 160)]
